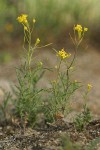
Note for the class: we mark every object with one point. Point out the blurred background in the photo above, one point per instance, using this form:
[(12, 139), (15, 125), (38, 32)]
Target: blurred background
[(54, 20)]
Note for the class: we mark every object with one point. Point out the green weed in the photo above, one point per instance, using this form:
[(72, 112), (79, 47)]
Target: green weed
[(63, 87), (28, 96), (93, 144), (4, 105), (67, 144), (83, 118), (29, 99)]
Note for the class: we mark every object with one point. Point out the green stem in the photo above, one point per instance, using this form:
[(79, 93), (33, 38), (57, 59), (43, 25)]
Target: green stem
[(58, 70)]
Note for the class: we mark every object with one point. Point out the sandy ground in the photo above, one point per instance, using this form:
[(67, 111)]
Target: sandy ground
[(87, 71)]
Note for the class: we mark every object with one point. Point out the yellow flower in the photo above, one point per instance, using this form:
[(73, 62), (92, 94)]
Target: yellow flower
[(75, 81), (54, 81), (41, 63), (71, 68), (63, 54), (25, 28), (78, 28), (85, 29), (22, 18), (37, 41), (34, 20), (89, 87)]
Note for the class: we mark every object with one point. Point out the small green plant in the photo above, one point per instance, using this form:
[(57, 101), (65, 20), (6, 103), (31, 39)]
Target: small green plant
[(63, 87), (4, 105), (28, 96), (93, 144), (82, 119), (67, 144), (29, 100), (85, 116)]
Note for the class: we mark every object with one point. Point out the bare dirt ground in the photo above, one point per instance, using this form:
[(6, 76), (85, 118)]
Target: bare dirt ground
[(13, 138)]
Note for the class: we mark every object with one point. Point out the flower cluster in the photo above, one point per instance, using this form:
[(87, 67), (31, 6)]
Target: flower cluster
[(34, 20), (37, 41), (85, 29), (80, 29), (22, 19), (89, 87), (63, 54)]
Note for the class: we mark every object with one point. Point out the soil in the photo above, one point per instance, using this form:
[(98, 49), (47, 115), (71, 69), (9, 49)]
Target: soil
[(13, 137)]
